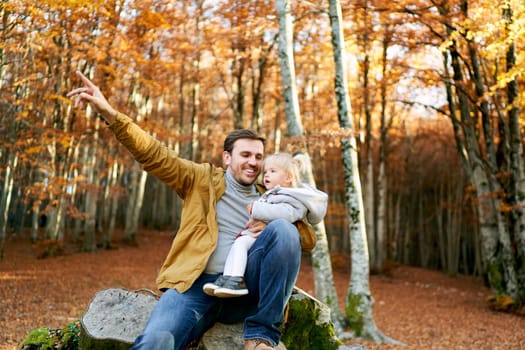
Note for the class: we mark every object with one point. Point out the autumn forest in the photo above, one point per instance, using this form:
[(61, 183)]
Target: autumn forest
[(435, 90)]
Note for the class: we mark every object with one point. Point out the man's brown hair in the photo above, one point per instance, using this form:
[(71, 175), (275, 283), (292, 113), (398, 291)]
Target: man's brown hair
[(240, 134)]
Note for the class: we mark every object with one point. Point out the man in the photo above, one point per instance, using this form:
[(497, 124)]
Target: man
[(214, 212)]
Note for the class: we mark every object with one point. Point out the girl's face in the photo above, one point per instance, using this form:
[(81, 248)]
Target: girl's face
[(275, 175)]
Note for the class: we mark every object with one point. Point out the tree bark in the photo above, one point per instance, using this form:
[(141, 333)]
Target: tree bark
[(369, 194), (505, 253), (516, 194), (323, 277), (89, 243), (471, 156), (382, 176), (137, 183), (286, 61), (359, 298), (5, 199)]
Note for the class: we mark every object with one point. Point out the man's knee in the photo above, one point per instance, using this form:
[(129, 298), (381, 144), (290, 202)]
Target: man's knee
[(284, 232), (281, 225), (155, 341)]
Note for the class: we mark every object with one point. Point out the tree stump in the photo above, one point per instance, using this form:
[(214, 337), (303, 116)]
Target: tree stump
[(115, 317)]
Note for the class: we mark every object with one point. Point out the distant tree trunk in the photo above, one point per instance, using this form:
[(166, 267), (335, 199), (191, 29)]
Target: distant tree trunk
[(369, 194), (425, 249), (402, 232), (194, 121), (110, 202), (5, 199), (440, 222), (89, 243), (454, 194), (35, 216), (238, 68), (286, 61), (359, 299), (114, 204), (277, 129), (323, 277), (398, 236), (257, 85), (55, 212), (174, 199), (136, 196), (382, 175), (195, 89), (160, 213)]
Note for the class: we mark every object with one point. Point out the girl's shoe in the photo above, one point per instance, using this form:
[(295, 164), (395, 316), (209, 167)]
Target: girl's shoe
[(232, 286), (210, 287)]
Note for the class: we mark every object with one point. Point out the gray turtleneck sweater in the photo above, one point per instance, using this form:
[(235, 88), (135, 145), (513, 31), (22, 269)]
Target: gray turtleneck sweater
[(232, 218)]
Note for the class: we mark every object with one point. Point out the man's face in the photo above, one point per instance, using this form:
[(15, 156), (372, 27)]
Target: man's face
[(246, 160)]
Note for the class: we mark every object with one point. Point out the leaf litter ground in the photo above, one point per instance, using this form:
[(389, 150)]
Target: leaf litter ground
[(423, 309)]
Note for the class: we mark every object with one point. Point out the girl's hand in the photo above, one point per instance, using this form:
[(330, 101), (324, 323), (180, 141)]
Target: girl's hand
[(256, 227)]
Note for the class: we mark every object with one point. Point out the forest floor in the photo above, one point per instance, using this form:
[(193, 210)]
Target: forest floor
[(421, 308)]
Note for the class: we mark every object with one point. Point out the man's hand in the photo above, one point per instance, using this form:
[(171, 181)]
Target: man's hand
[(256, 227), (91, 94)]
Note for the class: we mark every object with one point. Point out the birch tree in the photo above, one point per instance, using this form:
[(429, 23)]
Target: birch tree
[(359, 300), (323, 276), (137, 185), (5, 198), (369, 194)]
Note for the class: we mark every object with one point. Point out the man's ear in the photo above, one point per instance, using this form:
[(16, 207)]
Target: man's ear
[(226, 158)]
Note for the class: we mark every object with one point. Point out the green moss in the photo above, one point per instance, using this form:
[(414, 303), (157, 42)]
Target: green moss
[(47, 339), (495, 277), (354, 314), (40, 337), (302, 330)]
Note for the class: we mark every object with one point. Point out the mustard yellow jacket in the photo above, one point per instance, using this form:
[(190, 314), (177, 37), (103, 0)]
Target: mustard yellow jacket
[(199, 185)]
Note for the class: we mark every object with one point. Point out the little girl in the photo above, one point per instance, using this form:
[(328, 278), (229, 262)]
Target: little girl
[(286, 198)]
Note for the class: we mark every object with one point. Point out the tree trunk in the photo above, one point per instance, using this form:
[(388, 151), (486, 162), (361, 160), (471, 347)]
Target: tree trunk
[(516, 193), (55, 214), (323, 278), (453, 231), (369, 194), (135, 204), (382, 177), (35, 218), (114, 204), (257, 86), (286, 61), (5, 199), (505, 253), (89, 243), (359, 299), (110, 201), (486, 211)]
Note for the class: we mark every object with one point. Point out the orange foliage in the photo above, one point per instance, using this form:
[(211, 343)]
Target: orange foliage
[(190, 71)]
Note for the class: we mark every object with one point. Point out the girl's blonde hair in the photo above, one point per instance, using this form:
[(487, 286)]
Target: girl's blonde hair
[(289, 164)]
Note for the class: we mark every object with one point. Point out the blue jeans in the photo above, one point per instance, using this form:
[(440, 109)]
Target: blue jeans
[(271, 272)]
